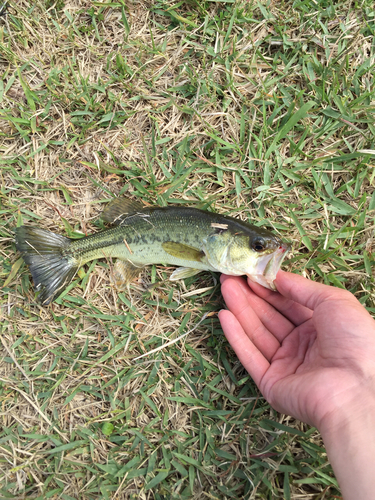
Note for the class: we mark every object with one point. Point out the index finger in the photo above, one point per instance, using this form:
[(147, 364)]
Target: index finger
[(291, 309)]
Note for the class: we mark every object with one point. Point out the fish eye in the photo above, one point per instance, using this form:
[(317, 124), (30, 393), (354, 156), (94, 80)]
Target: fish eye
[(258, 244)]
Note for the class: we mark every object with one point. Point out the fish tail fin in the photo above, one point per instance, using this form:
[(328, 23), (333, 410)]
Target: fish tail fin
[(47, 254)]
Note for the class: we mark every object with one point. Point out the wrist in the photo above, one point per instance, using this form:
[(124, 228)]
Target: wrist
[(349, 438), (352, 414)]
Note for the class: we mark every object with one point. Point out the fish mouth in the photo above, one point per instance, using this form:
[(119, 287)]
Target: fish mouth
[(268, 265)]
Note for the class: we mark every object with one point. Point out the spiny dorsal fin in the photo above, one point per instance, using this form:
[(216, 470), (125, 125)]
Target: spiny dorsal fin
[(182, 251), (119, 208)]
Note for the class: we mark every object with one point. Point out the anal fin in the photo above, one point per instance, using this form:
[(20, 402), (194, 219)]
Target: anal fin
[(124, 272)]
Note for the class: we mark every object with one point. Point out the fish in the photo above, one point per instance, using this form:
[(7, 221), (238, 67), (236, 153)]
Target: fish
[(192, 239)]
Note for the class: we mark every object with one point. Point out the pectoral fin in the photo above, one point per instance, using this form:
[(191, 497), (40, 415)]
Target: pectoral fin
[(182, 251), (184, 272), (118, 209), (124, 272)]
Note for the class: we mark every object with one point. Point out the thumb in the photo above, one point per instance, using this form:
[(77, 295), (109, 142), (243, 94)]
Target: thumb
[(307, 292)]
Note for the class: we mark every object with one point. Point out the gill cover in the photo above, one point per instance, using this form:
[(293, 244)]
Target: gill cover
[(217, 248)]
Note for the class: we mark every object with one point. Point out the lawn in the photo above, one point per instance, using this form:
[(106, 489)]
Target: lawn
[(258, 110)]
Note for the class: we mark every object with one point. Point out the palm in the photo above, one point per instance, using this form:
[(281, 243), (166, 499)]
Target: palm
[(300, 356)]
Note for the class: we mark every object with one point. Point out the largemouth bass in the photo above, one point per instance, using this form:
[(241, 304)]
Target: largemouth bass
[(194, 240)]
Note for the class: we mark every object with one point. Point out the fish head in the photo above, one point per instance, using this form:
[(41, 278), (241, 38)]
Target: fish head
[(248, 250)]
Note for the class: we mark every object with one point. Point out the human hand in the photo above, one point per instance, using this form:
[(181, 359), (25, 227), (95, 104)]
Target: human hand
[(310, 348)]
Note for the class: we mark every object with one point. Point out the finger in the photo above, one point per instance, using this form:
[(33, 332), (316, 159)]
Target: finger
[(295, 312), (251, 358), (267, 316), (306, 292), (236, 299)]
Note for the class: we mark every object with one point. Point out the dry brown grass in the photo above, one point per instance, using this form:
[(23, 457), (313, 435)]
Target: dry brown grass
[(192, 109)]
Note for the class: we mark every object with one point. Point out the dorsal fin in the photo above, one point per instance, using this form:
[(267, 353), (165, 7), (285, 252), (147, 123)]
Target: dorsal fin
[(119, 208)]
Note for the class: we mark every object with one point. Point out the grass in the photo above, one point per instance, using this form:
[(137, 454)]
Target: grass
[(262, 110)]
